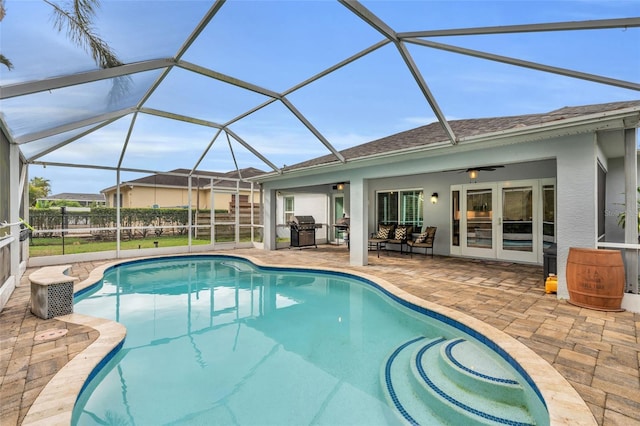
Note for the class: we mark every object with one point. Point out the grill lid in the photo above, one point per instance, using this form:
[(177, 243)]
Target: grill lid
[(304, 220), (343, 221)]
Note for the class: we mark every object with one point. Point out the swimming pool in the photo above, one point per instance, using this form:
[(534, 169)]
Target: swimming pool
[(215, 339)]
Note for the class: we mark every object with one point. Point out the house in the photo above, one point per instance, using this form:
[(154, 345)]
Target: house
[(505, 188), (171, 190), (85, 200)]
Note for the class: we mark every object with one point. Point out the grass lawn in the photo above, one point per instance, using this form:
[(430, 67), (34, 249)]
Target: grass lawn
[(74, 245)]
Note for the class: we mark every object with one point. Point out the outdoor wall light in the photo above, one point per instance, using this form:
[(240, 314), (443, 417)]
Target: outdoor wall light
[(340, 187), (473, 174), (434, 198)]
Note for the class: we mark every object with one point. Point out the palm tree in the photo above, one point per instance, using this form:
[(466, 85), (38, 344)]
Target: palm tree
[(39, 187), (76, 18)]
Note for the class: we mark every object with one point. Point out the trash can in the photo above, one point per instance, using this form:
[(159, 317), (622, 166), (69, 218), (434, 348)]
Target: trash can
[(550, 260)]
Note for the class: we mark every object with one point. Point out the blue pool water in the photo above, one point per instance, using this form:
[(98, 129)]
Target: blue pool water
[(217, 340)]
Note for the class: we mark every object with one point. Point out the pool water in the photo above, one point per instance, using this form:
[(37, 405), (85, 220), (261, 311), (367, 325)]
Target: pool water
[(217, 340)]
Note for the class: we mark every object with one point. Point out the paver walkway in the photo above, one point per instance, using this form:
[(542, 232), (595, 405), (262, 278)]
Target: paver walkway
[(597, 352)]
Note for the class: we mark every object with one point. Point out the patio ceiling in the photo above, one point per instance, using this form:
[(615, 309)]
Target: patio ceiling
[(209, 94)]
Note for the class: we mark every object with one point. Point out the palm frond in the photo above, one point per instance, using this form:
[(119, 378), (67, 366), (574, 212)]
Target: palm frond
[(76, 20), (5, 61), (622, 217)]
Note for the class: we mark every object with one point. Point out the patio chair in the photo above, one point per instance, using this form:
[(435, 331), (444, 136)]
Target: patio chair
[(378, 240), (401, 235), (424, 240)]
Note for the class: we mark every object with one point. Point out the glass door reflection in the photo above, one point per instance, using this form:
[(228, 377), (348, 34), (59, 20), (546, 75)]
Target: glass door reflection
[(480, 218), (548, 215), (517, 219)]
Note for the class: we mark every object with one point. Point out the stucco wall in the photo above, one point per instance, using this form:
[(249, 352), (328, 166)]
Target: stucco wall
[(165, 197), (576, 200)]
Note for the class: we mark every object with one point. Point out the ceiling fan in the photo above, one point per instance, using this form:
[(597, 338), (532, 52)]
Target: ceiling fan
[(483, 168), (473, 171)]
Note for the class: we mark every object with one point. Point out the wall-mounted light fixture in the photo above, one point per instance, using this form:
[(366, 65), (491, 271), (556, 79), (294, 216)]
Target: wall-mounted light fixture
[(473, 174), (434, 198), (340, 186)]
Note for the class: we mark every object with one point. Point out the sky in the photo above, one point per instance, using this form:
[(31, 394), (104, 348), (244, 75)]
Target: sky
[(276, 45)]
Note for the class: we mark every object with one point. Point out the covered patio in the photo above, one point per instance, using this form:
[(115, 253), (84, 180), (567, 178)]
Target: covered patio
[(596, 352)]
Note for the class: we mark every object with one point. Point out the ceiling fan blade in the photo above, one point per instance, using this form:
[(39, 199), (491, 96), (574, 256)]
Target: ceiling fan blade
[(485, 168)]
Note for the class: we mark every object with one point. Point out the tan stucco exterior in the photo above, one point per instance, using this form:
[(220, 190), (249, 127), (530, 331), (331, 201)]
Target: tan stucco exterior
[(141, 196)]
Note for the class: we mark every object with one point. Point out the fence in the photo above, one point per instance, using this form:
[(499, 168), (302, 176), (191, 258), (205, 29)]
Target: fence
[(100, 224)]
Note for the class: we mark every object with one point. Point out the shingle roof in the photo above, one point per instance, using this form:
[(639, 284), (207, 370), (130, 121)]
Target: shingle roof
[(74, 196), (434, 132), (202, 180)]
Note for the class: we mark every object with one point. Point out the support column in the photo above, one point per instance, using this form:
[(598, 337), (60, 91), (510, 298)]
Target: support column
[(577, 206), (631, 208), (359, 223), (269, 219), (118, 213), (14, 209)]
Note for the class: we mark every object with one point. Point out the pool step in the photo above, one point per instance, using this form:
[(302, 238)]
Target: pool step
[(474, 370), (436, 380)]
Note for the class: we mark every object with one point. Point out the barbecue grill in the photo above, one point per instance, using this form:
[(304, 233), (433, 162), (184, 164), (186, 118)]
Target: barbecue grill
[(303, 231), (342, 225)]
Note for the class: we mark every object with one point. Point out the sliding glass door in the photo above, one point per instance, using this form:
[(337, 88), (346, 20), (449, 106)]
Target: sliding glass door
[(479, 225), (518, 224), (503, 220)]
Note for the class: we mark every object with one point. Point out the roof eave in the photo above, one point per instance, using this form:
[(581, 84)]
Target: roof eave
[(618, 119), (623, 118)]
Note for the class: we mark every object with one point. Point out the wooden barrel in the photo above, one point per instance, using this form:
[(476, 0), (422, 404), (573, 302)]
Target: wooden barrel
[(595, 278)]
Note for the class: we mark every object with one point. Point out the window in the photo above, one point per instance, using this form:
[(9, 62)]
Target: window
[(602, 199), (455, 219), (288, 209), (115, 199), (549, 215), (401, 207)]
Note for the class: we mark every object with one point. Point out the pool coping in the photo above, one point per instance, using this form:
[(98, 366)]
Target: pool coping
[(55, 404)]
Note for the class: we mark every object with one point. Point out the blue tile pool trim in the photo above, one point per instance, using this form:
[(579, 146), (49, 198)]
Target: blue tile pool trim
[(389, 384), (449, 348), (104, 361), (431, 314), (454, 401), (85, 291)]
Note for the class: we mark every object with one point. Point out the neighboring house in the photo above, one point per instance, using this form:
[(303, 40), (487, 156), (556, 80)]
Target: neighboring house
[(85, 200), (171, 190), (505, 190)]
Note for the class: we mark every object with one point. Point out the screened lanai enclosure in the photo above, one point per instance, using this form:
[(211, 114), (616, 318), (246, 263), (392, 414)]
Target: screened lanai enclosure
[(173, 110)]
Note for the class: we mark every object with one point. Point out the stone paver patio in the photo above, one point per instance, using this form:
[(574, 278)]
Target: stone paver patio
[(597, 352)]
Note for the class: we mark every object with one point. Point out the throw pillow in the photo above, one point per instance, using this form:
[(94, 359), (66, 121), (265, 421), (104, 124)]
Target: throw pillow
[(383, 233), (422, 237), (431, 233), (401, 233)]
